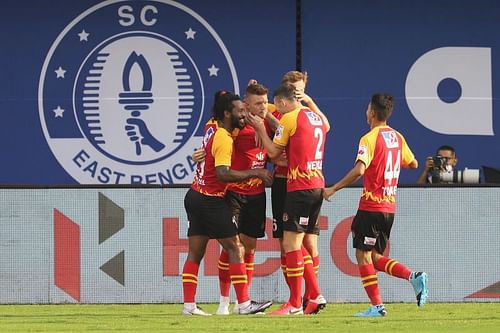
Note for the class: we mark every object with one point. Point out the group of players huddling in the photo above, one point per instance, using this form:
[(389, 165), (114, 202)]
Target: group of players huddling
[(227, 200)]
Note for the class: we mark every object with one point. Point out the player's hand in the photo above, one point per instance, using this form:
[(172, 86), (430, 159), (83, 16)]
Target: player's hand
[(253, 120), (251, 82), (199, 155), (328, 192), (265, 175)]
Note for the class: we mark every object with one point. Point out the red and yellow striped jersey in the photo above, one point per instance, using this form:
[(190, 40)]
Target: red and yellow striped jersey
[(246, 155), (218, 146), (303, 134), (384, 151)]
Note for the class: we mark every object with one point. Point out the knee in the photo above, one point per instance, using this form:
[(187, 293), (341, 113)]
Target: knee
[(235, 251)]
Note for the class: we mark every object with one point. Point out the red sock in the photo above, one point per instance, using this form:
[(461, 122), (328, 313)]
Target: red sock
[(239, 281), (189, 280), (316, 264), (249, 266), (370, 283), (224, 277), (392, 267), (295, 272), (283, 269), (312, 288)]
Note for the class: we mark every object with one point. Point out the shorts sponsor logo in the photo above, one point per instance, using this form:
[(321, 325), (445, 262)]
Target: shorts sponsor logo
[(303, 220), (122, 91), (370, 241), (285, 217)]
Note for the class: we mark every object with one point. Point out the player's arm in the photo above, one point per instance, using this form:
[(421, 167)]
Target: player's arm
[(272, 121), (228, 175), (309, 102), (273, 150), (413, 164), (352, 176)]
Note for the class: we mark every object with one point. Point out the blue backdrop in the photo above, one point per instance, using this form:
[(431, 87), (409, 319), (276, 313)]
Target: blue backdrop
[(438, 58), (353, 49)]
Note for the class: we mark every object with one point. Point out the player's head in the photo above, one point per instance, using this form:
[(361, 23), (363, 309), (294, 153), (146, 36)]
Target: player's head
[(380, 108), (256, 99), (284, 98), (295, 78), (228, 108)]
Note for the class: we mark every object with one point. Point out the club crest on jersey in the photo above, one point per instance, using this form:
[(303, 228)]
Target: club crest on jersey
[(314, 119), (122, 91), (391, 139)]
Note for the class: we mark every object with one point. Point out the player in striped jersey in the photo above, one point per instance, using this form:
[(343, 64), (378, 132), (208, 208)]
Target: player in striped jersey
[(208, 213), (381, 154), (301, 133)]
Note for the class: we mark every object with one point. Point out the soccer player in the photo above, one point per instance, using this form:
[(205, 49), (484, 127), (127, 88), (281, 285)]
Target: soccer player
[(246, 198), (208, 213), (302, 134), (278, 194), (381, 154)]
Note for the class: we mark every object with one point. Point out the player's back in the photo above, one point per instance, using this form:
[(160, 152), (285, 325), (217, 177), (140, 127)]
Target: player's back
[(305, 149), (384, 151)]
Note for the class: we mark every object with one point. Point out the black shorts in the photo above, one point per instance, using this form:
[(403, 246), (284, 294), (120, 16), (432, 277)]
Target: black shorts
[(208, 216), (371, 230), (302, 211), (278, 196), (249, 212)]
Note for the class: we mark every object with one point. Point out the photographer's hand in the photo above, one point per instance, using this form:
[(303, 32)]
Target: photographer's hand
[(429, 164)]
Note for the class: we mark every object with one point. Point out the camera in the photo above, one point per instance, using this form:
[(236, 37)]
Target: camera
[(440, 173), (467, 176), (440, 165)]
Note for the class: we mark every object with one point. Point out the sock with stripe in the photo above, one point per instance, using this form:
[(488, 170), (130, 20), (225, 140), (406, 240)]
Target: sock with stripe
[(316, 264), (249, 258), (283, 269), (312, 287), (295, 273), (239, 280), (189, 280), (370, 283), (224, 277), (392, 267)]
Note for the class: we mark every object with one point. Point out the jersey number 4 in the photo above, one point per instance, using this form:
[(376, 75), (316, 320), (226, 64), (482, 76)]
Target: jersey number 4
[(392, 168)]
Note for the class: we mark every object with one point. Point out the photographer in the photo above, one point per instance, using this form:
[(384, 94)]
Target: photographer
[(444, 161)]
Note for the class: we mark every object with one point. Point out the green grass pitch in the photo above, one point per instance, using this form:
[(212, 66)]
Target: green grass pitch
[(402, 317)]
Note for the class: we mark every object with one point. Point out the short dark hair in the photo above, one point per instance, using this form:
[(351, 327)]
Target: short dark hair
[(382, 104), (223, 101), (256, 89), (446, 147), (286, 91)]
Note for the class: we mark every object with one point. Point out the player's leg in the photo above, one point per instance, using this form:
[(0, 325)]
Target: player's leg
[(365, 234), (251, 226), (395, 268), (237, 270), (197, 240), (278, 195), (294, 226)]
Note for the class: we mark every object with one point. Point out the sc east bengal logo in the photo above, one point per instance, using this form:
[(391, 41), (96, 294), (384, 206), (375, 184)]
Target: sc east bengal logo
[(122, 91)]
